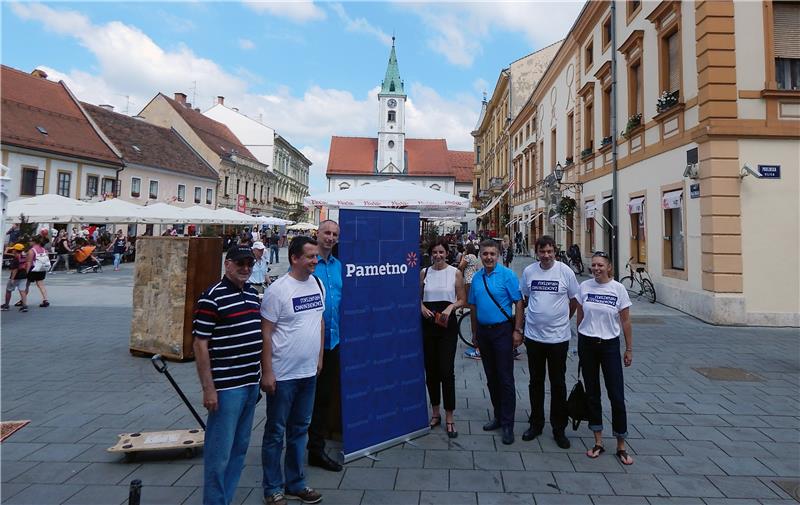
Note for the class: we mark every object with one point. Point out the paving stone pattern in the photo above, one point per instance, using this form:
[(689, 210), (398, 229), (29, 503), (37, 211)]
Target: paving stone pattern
[(695, 441)]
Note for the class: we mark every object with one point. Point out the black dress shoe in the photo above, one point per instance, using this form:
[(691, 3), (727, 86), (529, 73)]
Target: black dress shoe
[(322, 460), (491, 425), (562, 440), (531, 433), (508, 435)]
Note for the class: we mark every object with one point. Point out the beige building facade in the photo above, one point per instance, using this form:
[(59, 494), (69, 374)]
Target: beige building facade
[(706, 146)]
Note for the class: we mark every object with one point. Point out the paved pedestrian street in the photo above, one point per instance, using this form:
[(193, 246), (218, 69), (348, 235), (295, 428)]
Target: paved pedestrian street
[(695, 439)]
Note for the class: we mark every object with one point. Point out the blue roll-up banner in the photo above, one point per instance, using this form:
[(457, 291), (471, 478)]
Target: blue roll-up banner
[(384, 399)]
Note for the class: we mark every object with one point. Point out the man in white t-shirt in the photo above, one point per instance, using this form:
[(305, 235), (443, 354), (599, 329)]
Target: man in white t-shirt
[(293, 333), (550, 290)]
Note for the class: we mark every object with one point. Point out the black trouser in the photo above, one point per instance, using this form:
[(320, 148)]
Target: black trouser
[(439, 348), (594, 354), (550, 359), (328, 385), (496, 343)]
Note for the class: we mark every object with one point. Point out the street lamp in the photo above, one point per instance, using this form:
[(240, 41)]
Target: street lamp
[(559, 172)]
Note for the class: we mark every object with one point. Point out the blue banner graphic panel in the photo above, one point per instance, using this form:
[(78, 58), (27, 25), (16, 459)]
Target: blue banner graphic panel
[(383, 377)]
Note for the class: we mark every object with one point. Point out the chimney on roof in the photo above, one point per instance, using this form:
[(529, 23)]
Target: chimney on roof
[(41, 74), (221, 100), (180, 97), (107, 107), (197, 109), (188, 105)]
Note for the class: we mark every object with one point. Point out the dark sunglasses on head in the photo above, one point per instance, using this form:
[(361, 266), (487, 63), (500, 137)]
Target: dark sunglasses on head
[(244, 263), (601, 254)]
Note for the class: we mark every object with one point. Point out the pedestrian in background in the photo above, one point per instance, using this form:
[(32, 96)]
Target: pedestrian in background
[(550, 289), (442, 287), (227, 349), (18, 275), (38, 263), (495, 289), (63, 249), (118, 246), (259, 277), (603, 313)]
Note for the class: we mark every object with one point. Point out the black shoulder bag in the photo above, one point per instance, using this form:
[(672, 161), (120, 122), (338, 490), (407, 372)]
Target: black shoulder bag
[(486, 285), (577, 408)]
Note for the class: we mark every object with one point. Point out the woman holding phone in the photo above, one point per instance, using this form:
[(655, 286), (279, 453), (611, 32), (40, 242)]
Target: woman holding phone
[(442, 292), (603, 312)]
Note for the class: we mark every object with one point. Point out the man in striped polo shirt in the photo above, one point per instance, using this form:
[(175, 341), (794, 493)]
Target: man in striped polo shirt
[(227, 350)]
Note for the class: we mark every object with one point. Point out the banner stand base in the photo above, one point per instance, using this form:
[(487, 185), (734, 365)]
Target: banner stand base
[(370, 451)]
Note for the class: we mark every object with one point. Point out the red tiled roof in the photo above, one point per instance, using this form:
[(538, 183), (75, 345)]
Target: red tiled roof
[(425, 157), (157, 147), (218, 137), (462, 163), (29, 102)]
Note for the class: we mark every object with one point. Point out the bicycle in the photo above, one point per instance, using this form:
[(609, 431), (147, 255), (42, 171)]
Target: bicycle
[(637, 279), (461, 318), (572, 259)]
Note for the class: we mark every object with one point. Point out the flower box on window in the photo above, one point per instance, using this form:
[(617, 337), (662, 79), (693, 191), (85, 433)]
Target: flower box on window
[(667, 100), (586, 153), (570, 161), (634, 122), (606, 141)]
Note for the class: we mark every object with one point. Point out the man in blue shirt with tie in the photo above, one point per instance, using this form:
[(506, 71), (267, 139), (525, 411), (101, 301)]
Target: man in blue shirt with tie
[(329, 271), (494, 290)]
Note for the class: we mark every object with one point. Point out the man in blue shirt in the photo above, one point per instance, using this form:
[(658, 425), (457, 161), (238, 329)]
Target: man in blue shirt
[(329, 271), (494, 290), (258, 278)]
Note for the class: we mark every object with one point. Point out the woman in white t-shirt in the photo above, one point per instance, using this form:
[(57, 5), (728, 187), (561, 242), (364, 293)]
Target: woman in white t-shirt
[(604, 312), (442, 293)]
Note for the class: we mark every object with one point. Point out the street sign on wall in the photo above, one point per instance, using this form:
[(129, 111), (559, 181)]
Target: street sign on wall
[(769, 171)]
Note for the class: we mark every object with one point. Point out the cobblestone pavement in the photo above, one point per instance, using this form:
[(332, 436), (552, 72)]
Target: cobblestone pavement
[(695, 441)]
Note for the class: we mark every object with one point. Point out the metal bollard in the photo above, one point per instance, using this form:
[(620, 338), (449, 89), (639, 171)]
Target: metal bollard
[(135, 493)]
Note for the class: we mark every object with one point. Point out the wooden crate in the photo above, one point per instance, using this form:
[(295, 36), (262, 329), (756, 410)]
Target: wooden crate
[(171, 272)]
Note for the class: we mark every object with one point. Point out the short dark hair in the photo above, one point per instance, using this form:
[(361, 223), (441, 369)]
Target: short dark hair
[(439, 241), (489, 242), (470, 249), (297, 244), (544, 241)]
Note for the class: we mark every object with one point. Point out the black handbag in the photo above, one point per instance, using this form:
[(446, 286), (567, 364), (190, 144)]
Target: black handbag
[(577, 408)]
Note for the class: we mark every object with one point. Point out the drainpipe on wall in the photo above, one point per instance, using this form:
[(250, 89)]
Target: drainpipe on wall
[(510, 153), (614, 176)]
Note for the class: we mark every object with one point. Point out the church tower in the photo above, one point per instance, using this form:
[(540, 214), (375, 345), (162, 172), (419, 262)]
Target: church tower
[(391, 157)]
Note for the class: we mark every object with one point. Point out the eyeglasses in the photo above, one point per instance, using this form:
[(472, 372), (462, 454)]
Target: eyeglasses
[(601, 254), (244, 263)]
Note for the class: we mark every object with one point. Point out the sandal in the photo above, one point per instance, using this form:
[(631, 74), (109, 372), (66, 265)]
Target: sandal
[(623, 456), (435, 421), (595, 451), (451, 430)]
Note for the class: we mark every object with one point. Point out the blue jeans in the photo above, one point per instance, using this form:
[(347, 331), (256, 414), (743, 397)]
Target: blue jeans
[(227, 437), (273, 254), (117, 259), (594, 354), (288, 413)]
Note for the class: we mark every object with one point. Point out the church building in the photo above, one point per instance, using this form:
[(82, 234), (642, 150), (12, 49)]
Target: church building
[(358, 161)]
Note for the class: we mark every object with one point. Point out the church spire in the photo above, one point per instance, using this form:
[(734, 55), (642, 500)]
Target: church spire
[(392, 83)]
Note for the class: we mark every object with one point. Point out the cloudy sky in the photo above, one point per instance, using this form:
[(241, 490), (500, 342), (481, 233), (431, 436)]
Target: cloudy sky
[(308, 69)]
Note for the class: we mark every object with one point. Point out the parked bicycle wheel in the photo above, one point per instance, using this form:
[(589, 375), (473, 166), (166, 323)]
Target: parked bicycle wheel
[(577, 266), (465, 329), (648, 290), (628, 282)]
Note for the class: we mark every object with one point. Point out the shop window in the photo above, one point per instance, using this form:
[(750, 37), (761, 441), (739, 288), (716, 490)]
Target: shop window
[(672, 203), (638, 245)]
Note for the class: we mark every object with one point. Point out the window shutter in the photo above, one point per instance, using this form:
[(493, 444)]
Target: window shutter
[(674, 62), (787, 29)]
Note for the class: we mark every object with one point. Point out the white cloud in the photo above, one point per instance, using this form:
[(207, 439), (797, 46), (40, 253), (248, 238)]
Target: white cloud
[(360, 25), (246, 44), (299, 11), (480, 85), (461, 27)]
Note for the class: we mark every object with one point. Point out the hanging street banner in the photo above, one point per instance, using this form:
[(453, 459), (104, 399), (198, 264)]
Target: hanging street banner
[(384, 400)]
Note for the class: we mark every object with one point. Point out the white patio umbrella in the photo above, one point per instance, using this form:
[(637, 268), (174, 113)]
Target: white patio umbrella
[(162, 213), (274, 221), (113, 210), (395, 194), (46, 209), (228, 216), (302, 227)]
